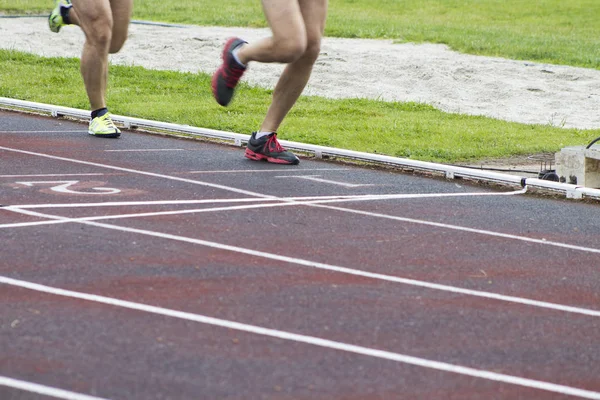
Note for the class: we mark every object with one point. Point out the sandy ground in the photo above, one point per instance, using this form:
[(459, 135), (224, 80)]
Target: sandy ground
[(509, 90)]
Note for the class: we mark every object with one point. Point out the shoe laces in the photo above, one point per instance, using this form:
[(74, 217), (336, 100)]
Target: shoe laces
[(273, 144), (108, 121)]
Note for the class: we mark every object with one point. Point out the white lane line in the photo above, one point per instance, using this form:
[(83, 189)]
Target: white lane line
[(313, 203), (236, 171), (141, 150), (463, 229), (134, 171), (311, 340), (124, 216), (315, 199), (44, 175), (328, 267), (44, 390), (315, 178), (286, 202), (139, 203)]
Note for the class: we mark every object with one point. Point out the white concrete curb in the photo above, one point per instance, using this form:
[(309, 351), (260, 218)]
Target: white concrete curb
[(449, 171)]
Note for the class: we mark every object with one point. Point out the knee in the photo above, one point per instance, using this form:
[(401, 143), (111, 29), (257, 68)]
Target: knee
[(309, 54), (290, 49), (99, 33), (312, 51)]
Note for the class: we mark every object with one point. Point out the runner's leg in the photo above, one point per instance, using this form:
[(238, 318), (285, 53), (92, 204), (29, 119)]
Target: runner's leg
[(121, 13), (96, 21), (296, 74), (288, 41), (297, 43)]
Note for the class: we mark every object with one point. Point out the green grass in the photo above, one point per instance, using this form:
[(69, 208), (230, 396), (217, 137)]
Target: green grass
[(399, 129), (553, 31)]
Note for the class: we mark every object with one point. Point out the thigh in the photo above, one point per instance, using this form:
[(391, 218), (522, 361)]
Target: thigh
[(314, 14), (121, 15), (285, 19), (95, 17)]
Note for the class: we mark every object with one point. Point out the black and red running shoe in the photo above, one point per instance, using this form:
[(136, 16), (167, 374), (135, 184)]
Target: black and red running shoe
[(268, 148), (229, 73)]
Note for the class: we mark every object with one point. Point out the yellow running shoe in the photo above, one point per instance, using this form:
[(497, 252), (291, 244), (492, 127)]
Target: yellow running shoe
[(104, 127), (56, 19)]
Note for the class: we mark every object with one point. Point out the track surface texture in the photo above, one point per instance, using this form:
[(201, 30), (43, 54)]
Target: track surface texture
[(151, 267)]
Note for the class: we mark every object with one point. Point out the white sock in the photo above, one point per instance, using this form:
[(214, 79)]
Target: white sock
[(261, 134), (234, 53)]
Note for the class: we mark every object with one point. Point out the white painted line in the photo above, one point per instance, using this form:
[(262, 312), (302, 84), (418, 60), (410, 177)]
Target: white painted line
[(49, 175), (311, 340), (315, 178), (124, 216), (287, 201), (237, 171), (134, 171), (63, 187), (142, 150), (140, 203), (44, 390), (328, 267), (301, 200), (321, 204), (464, 229)]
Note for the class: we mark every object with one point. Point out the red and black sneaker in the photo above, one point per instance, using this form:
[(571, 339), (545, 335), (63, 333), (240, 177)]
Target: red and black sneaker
[(268, 148), (229, 73)]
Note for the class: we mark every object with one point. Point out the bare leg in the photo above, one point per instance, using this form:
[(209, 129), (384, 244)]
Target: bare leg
[(297, 31), (121, 13), (295, 76), (297, 27), (289, 34), (96, 19)]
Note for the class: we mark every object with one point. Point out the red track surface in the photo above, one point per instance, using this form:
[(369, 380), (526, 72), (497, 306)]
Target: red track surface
[(367, 300)]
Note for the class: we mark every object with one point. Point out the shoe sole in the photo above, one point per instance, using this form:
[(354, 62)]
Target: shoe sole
[(107, 135), (215, 78), (261, 157)]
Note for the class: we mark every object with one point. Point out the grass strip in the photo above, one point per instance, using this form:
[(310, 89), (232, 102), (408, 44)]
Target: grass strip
[(411, 130)]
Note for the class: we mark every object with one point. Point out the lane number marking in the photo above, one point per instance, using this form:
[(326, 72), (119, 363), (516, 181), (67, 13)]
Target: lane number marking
[(63, 187)]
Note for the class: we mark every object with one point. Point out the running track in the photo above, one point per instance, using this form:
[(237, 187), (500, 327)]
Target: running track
[(159, 268)]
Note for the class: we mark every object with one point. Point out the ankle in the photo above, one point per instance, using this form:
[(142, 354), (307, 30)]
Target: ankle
[(260, 134), (99, 112), (236, 56)]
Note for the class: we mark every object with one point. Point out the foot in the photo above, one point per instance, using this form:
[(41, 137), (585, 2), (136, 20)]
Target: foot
[(56, 19), (226, 78), (268, 148), (103, 127)]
